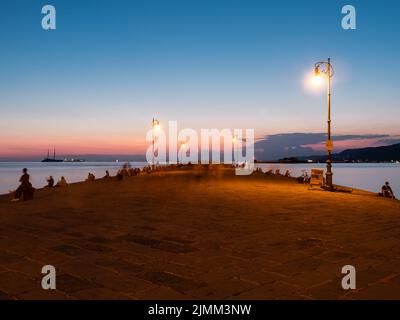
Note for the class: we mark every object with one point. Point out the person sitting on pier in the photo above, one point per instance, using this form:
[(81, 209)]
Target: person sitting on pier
[(62, 183), (120, 175), (91, 177), (387, 191), (107, 174), (258, 170), (50, 182), (25, 189), (287, 174), (304, 178)]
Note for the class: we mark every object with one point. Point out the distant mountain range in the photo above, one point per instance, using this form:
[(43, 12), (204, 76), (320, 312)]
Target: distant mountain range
[(371, 154), (288, 145)]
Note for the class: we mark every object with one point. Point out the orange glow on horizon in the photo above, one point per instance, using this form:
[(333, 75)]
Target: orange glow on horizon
[(37, 147)]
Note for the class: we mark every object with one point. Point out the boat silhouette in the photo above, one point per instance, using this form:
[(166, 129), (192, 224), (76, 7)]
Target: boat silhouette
[(74, 160), (48, 159)]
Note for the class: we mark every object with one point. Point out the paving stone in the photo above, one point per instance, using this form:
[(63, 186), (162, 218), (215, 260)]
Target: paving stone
[(331, 289), (173, 247), (99, 239), (389, 265), (13, 283), (69, 284), (70, 250), (9, 258), (101, 294), (122, 283), (271, 291), (171, 280), (393, 281), (178, 240), (223, 289), (189, 271), (145, 241), (217, 274), (121, 266), (31, 269), (41, 294), (335, 256), (247, 254), (96, 247), (86, 270), (261, 277), (375, 292), (162, 293), (75, 234), (47, 257), (371, 275), (294, 267), (5, 296)]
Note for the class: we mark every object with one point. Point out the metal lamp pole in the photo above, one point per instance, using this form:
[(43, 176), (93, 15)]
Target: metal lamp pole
[(182, 146), (154, 124), (234, 139), (326, 68)]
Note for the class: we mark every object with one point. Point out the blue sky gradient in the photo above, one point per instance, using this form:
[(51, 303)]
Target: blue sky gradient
[(110, 66)]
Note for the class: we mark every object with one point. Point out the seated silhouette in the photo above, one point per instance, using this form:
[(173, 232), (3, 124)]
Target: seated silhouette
[(386, 191), (62, 183), (50, 182), (25, 190)]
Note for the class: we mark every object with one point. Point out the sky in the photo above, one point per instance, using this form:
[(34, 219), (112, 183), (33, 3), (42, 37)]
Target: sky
[(94, 84)]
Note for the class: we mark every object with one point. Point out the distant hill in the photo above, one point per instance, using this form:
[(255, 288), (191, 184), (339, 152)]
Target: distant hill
[(371, 154), (385, 153), (289, 145)]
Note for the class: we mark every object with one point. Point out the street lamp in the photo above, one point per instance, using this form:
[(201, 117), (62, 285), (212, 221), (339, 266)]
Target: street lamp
[(182, 146), (155, 124), (234, 150), (325, 67)]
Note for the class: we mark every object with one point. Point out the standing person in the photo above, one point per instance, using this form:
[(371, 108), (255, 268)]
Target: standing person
[(25, 188)]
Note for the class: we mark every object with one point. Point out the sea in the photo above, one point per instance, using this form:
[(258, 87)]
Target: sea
[(367, 176)]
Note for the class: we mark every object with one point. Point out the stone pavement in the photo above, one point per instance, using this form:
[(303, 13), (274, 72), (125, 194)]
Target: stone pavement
[(196, 236)]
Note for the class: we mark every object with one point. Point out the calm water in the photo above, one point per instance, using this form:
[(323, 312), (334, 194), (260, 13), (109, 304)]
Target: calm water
[(72, 171), (368, 176)]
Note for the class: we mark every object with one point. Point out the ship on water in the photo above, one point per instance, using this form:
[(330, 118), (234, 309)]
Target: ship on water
[(73, 160), (48, 159)]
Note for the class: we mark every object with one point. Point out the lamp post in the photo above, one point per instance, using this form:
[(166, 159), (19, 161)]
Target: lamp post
[(155, 124), (234, 139), (326, 68), (182, 146)]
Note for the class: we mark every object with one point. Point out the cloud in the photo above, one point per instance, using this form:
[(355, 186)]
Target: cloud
[(278, 146)]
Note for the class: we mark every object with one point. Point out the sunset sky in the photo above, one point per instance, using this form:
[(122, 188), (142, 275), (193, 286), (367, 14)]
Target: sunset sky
[(94, 84)]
